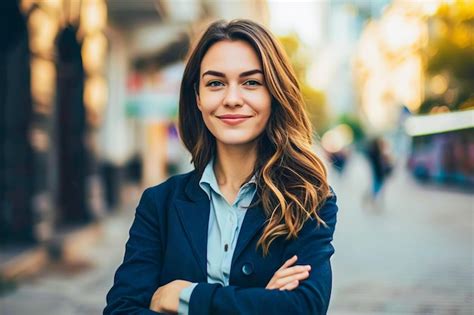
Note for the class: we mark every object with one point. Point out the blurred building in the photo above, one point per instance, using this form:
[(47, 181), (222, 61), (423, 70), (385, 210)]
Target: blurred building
[(331, 31), (420, 56), (16, 169), (416, 55), (89, 102), (52, 106)]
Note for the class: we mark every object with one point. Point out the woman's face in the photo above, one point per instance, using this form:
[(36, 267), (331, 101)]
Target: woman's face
[(233, 99)]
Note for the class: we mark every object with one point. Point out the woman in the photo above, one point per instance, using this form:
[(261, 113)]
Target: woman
[(249, 230)]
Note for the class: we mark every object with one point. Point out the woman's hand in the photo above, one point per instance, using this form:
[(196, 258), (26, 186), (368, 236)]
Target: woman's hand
[(288, 278), (166, 298)]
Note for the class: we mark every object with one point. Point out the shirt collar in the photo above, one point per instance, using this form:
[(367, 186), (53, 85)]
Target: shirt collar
[(209, 181)]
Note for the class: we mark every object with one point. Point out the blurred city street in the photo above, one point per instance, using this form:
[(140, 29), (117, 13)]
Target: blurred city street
[(91, 96), (413, 255)]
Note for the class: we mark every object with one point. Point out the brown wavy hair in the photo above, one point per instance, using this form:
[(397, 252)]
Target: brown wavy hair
[(291, 179)]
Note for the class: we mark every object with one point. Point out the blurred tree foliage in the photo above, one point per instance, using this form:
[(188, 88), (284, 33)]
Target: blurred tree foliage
[(355, 124), (315, 99), (450, 52)]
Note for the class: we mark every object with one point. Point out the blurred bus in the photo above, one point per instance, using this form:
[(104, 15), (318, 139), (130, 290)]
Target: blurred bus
[(442, 148)]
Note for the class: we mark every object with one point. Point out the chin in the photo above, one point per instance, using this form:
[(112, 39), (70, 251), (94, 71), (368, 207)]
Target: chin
[(236, 137), (236, 140)]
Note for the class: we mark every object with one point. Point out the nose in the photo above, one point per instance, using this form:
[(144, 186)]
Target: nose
[(233, 97)]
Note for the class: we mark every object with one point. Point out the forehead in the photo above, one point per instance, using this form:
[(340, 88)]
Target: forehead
[(230, 56)]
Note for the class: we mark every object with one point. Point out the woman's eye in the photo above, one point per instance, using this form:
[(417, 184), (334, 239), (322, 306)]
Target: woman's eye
[(214, 84), (252, 83)]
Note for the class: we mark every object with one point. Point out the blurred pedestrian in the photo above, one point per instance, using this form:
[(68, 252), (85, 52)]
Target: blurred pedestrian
[(226, 237), (381, 167), (339, 159)]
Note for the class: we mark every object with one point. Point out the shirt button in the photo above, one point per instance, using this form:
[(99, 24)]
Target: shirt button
[(247, 269)]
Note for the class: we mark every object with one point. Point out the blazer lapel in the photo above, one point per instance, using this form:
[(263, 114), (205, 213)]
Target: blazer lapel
[(194, 217), (254, 220)]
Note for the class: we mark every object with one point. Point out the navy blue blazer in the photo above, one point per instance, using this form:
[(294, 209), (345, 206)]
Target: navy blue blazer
[(168, 241)]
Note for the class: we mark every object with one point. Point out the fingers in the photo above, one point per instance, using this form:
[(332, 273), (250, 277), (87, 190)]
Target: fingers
[(292, 270), (290, 286), (289, 262), (282, 282), (283, 278), (288, 277)]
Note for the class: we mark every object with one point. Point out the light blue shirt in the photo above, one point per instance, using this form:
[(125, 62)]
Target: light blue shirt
[(225, 221)]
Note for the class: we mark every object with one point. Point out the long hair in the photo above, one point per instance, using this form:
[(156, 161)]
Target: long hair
[(291, 179)]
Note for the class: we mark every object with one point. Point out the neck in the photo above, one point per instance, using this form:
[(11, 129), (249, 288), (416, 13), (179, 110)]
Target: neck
[(234, 164)]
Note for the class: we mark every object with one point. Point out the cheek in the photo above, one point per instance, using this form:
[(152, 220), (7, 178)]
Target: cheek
[(265, 108), (209, 121), (265, 119), (207, 108), (210, 100)]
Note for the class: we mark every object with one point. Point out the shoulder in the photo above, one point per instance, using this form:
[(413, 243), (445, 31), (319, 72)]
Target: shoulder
[(329, 208), (171, 188), (327, 211), (332, 198), (315, 237)]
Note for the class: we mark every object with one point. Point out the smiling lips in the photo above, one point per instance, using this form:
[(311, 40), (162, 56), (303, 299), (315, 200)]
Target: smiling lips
[(233, 119)]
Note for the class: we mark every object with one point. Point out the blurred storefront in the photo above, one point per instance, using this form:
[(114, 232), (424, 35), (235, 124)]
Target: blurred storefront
[(90, 99), (52, 109)]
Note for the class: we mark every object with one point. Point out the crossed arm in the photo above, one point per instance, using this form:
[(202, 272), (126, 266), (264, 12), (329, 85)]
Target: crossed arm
[(287, 277), (311, 296), (293, 289)]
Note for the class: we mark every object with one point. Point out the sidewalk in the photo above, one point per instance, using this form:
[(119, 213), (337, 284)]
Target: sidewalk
[(79, 284), (413, 256), (77, 287)]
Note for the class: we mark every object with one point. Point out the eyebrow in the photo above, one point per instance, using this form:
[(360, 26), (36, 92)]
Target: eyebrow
[(220, 74)]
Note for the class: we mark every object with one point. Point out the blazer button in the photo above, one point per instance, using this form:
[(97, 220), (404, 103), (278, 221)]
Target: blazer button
[(247, 269)]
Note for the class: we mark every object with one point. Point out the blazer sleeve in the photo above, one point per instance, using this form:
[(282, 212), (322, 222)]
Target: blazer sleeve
[(137, 277), (313, 246)]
